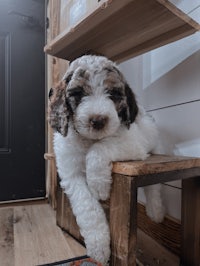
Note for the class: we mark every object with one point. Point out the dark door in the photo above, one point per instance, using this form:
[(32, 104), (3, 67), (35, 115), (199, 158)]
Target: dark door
[(22, 99)]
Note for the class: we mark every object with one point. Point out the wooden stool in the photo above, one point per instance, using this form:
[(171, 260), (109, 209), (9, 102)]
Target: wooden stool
[(121, 209)]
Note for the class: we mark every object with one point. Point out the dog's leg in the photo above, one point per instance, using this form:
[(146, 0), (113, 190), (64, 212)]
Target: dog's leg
[(154, 204), (99, 163), (98, 171), (91, 219)]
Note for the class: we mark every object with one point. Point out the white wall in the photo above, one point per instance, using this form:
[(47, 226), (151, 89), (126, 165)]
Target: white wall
[(167, 82)]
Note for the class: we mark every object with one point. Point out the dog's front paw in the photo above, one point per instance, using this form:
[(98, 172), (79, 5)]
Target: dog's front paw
[(99, 250), (155, 208), (155, 211)]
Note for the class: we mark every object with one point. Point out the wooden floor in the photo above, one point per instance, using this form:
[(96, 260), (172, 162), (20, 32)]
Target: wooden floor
[(29, 237)]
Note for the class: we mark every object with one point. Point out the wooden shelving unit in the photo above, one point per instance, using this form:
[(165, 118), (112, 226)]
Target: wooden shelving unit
[(123, 29)]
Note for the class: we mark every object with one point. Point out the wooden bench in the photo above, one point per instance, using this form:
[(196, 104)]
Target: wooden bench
[(121, 209)]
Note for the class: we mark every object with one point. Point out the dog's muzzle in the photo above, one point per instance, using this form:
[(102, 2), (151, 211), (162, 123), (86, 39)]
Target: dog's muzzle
[(98, 122)]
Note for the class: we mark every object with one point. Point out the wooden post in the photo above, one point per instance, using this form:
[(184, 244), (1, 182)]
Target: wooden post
[(123, 220), (190, 250)]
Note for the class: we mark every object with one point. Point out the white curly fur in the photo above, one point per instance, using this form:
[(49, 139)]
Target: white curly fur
[(84, 157)]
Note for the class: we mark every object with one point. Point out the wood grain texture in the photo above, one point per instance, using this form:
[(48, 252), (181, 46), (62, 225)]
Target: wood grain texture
[(123, 29), (6, 237), (179, 13), (37, 238), (151, 253), (167, 233), (52, 179), (123, 221), (29, 236), (54, 18), (52, 79), (190, 250), (55, 71), (155, 164)]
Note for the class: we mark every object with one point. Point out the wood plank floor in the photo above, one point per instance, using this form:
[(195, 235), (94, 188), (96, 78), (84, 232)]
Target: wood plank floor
[(29, 237)]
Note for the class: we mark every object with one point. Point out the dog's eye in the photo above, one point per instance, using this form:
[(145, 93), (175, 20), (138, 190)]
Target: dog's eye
[(77, 92), (115, 94), (75, 95)]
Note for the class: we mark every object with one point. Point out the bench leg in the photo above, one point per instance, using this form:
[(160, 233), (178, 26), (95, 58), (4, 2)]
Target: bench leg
[(123, 221), (190, 250)]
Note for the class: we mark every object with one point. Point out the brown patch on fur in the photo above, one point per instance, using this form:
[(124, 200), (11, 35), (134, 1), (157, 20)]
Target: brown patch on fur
[(125, 104), (78, 88), (58, 111), (80, 80), (113, 80), (132, 104)]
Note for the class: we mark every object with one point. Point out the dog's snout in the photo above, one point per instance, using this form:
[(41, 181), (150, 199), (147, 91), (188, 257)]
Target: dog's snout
[(98, 122)]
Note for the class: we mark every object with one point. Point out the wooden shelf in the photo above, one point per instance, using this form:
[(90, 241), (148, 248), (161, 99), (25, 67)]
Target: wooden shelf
[(123, 29)]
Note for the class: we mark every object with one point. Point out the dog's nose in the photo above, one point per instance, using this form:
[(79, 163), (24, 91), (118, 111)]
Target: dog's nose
[(98, 122)]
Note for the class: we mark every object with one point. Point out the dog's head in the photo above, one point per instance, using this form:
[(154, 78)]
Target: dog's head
[(94, 97)]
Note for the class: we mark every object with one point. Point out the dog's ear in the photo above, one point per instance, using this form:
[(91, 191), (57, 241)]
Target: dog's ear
[(58, 115), (131, 107)]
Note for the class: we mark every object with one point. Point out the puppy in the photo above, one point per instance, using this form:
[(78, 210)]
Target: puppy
[(97, 120)]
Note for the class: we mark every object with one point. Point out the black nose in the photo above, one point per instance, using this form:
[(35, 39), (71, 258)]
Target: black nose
[(98, 122)]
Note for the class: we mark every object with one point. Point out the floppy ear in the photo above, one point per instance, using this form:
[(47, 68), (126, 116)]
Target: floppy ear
[(131, 108), (58, 115)]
